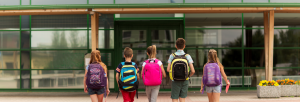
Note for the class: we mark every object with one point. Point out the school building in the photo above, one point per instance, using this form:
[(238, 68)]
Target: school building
[(43, 42)]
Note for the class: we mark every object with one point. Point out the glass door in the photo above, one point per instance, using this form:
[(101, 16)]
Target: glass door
[(138, 38)]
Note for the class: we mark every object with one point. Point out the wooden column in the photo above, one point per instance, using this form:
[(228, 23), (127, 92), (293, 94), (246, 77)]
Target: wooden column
[(269, 43), (94, 29), (266, 31)]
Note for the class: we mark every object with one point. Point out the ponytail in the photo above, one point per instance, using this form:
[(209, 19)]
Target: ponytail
[(213, 57), (151, 50)]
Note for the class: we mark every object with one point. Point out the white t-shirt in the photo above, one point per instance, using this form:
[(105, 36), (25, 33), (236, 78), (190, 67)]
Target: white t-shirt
[(159, 62)]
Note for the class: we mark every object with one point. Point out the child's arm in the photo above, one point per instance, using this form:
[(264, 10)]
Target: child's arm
[(107, 87), (84, 83), (117, 78), (169, 67), (202, 80), (192, 69), (223, 74), (163, 71)]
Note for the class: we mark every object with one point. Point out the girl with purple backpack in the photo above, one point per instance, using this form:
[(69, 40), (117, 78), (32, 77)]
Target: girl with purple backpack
[(95, 80), (212, 77), (152, 74)]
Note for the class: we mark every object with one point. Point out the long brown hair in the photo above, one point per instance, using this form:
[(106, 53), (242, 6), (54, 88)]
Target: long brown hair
[(151, 50), (213, 57), (95, 56)]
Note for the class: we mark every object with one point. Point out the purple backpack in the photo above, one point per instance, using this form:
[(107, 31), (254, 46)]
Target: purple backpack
[(96, 78), (212, 75)]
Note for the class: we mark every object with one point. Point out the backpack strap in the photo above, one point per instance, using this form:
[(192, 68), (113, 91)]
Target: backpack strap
[(174, 54), (123, 63)]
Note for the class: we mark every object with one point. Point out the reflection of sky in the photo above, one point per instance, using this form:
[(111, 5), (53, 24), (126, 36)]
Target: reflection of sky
[(210, 1), (9, 2), (51, 2), (147, 1)]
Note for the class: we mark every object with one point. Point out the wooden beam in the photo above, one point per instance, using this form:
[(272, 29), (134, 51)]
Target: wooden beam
[(266, 42), (94, 29), (43, 12), (271, 44)]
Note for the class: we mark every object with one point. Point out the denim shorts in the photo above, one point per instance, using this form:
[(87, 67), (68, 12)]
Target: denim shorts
[(214, 89), (96, 91)]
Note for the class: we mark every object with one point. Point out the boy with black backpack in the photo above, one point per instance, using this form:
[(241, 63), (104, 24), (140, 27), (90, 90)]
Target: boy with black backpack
[(180, 68), (128, 76)]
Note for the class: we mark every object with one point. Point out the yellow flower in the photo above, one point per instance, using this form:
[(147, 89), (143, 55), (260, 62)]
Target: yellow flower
[(260, 84), (264, 85)]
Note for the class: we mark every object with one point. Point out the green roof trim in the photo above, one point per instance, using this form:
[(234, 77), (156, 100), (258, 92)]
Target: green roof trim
[(169, 5)]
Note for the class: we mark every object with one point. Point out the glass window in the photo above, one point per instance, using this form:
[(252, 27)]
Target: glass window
[(59, 21), (256, 1), (163, 38), (106, 21), (101, 1), (9, 59), (147, 1), (286, 20), (254, 38), (134, 38), (25, 62), (10, 78), (253, 20), (203, 38), (228, 57), (213, 20), (286, 37), (143, 15), (25, 39), (254, 58), (286, 58), (105, 39), (9, 22), (9, 39), (57, 79), (285, 1), (25, 2), (163, 56), (53, 2), (212, 1), (59, 39), (253, 77), (279, 74), (106, 58), (25, 22), (57, 59), (25, 79), (9, 2)]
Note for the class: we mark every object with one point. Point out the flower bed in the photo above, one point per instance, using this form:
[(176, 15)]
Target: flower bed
[(268, 89), (298, 88), (288, 87)]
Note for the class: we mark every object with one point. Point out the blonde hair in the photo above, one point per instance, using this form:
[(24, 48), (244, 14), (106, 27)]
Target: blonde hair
[(95, 56), (151, 50), (213, 57)]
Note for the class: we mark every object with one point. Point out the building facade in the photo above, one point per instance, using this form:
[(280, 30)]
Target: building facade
[(46, 52)]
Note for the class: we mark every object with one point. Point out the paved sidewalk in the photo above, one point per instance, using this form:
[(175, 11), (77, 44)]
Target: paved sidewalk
[(232, 96)]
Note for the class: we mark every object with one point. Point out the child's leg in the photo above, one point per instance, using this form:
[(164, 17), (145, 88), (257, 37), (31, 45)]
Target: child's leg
[(100, 97), (154, 93), (132, 94), (94, 98), (183, 91), (126, 96), (216, 97), (148, 92), (210, 97)]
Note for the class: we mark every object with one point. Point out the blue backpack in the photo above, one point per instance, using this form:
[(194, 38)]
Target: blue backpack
[(128, 80)]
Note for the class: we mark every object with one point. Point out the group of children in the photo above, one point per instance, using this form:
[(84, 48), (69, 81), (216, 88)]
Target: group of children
[(180, 68)]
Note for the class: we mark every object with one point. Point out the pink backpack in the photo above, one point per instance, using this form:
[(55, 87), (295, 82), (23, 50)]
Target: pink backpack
[(152, 74)]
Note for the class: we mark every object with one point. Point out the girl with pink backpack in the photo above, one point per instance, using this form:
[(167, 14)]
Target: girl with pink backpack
[(152, 74), (213, 72)]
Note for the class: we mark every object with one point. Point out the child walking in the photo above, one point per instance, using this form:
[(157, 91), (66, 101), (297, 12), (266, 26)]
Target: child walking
[(127, 76), (180, 68), (152, 74), (212, 81), (95, 80)]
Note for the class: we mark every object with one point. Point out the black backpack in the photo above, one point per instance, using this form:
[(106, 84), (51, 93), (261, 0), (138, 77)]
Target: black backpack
[(179, 68)]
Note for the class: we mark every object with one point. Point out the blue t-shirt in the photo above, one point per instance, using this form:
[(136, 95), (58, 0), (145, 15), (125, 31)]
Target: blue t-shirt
[(120, 67)]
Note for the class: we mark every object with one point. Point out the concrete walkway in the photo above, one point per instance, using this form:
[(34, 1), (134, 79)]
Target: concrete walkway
[(232, 96)]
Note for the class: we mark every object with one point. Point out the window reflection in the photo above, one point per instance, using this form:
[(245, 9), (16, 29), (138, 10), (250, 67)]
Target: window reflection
[(57, 59), (9, 39), (9, 59), (43, 79), (105, 39), (213, 38), (59, 21), (163, 38), (213, 20), (286, 20), (134, 38), (286, 58), (253, 77), (286, 37), (254, 38), (212, 1), (10, 78), (147, 1), (59, 39)]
